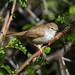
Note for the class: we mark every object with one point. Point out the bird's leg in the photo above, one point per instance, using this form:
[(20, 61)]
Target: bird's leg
[(39, 47)]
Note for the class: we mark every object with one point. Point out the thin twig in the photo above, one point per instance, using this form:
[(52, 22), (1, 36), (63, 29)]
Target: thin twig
[(45, 6), (32, 14), (32, 18), (4, 27), (7, 22), (39, 51), (61, 67), (59, 53), (28, 61), (66, 69), (12, 12), (35, 17), (3, 9), (58, 57), (68, 60)]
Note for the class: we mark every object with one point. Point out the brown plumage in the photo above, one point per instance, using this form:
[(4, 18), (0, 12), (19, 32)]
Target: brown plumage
[(39, 33)]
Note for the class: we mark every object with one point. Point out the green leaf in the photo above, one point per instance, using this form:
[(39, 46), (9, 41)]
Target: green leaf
[(10, 0), (2, 52), (72, 10), (31, 70), (1, 73), (29, 54), (26, 27), (15, 43), (60, 19), (47, 50), (7, 68), (23, 3)]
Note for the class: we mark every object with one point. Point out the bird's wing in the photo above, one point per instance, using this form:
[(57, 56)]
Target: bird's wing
[(35, 32)]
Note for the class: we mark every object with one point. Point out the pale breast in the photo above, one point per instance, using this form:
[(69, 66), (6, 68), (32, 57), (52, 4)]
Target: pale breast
[(49, 35)]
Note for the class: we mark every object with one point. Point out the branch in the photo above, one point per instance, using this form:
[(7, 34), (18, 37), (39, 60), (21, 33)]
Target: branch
[(61, 68), (35, 17), (4, 27), (32, 14), (57, 56), (59, 53), (7, 21), (42, 48), (3, 9)]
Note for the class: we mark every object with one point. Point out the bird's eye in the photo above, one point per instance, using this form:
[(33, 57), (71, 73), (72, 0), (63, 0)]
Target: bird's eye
[(52, 28)]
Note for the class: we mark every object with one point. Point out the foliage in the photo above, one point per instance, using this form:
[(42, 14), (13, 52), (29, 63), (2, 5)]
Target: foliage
[(23, 3), (26, 27), (65, 20), (72, 10), (41, 61), (2, 52), (31, 70), (6, 68), (62, 19), (47, 50), (29, 54), (15, 43)]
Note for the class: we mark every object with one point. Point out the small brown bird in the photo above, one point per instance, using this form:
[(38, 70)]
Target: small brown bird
[(40, 34)]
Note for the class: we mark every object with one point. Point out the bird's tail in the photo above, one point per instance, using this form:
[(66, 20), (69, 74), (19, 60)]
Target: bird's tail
[(16, 33)]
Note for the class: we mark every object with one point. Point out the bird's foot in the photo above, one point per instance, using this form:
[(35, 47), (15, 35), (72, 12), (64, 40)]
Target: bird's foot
[(39, 47)]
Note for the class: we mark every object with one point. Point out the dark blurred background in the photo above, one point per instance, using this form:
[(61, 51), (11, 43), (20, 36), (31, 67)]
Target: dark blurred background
[(39, 12)]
